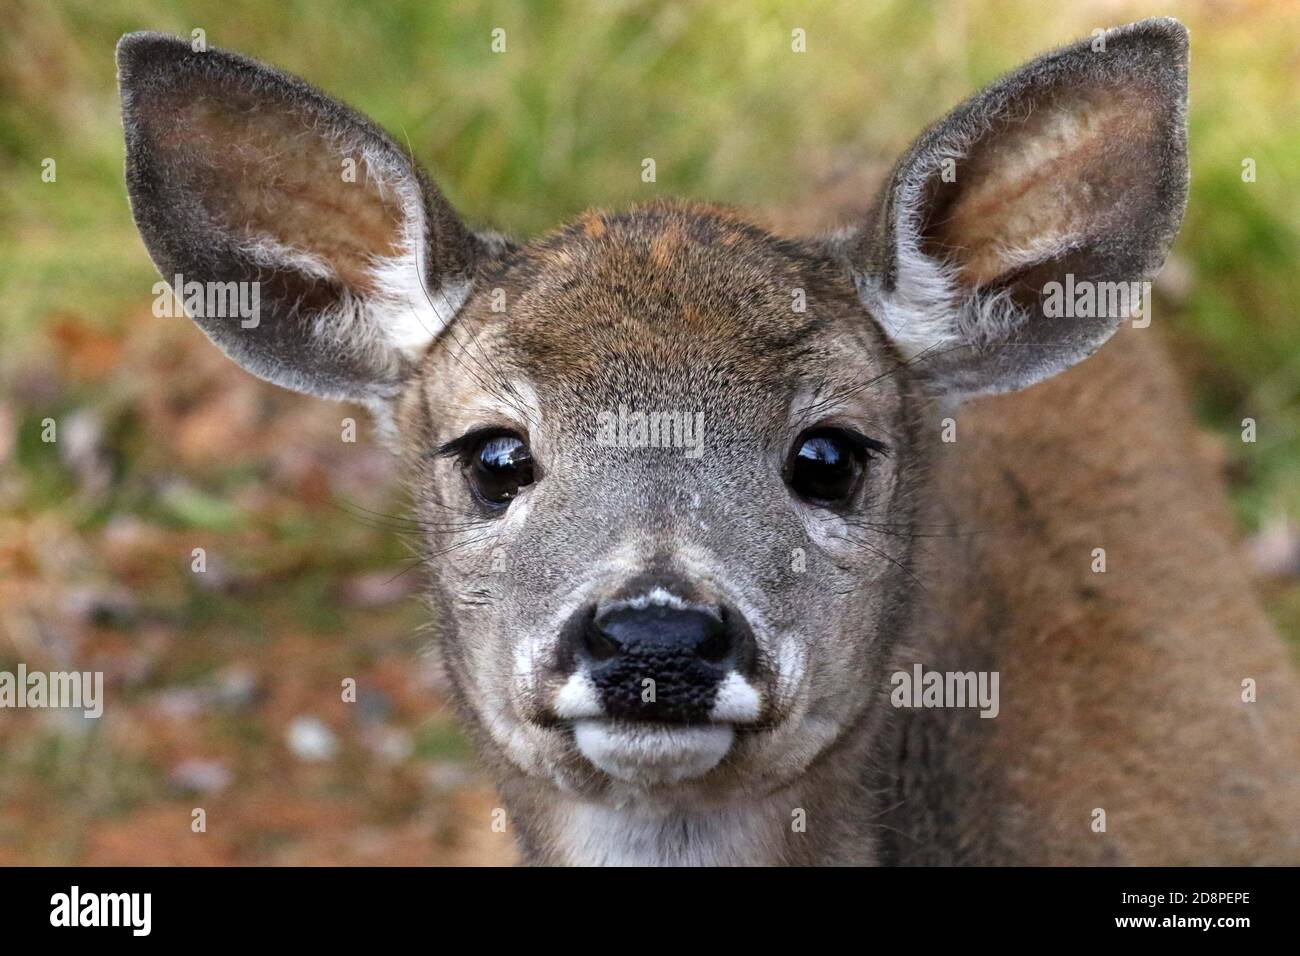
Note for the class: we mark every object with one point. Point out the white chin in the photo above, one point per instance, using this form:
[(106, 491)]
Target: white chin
[(652, 754)]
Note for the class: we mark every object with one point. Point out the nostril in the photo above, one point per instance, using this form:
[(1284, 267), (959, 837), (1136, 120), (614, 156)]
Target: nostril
[(599, 645), (716, 645)]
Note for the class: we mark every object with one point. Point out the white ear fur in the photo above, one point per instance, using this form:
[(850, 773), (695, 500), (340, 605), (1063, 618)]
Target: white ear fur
[(929, 310), (406, 307), (924, 311)]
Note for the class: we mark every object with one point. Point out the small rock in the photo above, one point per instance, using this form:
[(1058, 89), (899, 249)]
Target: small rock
[(81, 448), (311, 740), (445, 776), (201, 776), (1275, 549)]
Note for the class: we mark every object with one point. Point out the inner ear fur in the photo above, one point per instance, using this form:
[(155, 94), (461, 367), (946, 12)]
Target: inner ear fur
[(1042, 184), (263, 182)]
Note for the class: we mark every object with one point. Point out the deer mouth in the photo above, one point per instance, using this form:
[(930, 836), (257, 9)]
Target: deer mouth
[(650, 754), (647, 751)]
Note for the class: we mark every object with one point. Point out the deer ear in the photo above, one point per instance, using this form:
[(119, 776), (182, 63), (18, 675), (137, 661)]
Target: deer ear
[(239, 173), (1071, 170)]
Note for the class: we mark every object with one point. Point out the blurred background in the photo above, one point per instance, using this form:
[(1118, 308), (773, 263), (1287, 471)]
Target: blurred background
[(224, 688)]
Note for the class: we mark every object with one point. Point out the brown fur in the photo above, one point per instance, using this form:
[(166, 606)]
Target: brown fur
[(1120, 690)]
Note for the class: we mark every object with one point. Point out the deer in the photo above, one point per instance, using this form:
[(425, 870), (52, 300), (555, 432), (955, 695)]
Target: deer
[(684, 649)]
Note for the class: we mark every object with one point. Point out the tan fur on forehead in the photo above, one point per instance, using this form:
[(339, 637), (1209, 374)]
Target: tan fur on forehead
[(668, 276), (682, 304)]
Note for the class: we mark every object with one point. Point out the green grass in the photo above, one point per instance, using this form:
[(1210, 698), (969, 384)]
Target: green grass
[(440, 739)]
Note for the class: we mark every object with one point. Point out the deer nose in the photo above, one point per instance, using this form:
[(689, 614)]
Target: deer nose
[(662, 663), (658, 630)]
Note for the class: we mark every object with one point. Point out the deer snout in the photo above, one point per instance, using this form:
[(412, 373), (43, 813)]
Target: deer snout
[(663, 663)]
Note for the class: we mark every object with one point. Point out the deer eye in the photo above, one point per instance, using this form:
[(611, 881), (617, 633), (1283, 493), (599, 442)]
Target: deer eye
[(826, 464), (498, 466)]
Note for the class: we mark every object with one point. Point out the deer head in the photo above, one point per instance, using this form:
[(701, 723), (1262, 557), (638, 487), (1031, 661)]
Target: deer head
[(667, 465)]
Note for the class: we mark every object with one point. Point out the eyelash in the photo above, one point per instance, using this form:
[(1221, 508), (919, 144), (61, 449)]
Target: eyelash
[(869, 448), (461, 447)]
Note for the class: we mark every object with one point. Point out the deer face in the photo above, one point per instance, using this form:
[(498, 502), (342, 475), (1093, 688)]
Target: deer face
[(667, 466), (668, 496)]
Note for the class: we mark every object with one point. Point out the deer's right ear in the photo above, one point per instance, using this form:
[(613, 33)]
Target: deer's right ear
[(239, 173), (1069, 172)]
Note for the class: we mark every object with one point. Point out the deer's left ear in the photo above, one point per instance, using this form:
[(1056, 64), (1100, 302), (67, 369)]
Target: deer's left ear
[(1071, 169)]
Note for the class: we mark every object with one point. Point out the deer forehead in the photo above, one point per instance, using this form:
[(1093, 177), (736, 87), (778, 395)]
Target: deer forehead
[(669, 307)]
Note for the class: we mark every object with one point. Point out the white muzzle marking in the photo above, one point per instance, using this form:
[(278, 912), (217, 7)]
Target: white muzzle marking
[(737, 701), (578, 698), (654, 753)]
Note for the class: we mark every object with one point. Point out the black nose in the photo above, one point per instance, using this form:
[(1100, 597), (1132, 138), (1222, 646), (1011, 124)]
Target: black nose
[(661, 663)]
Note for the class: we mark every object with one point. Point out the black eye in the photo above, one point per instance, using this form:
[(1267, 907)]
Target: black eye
[(827, 463), (498, 466)]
